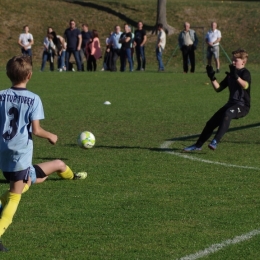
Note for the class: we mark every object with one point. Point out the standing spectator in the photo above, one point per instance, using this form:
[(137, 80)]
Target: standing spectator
[(73, 38), (132, 46), (213, 38), (93, 52), (160, 46), (46, 53), (115, 46), (188, 42), (26, 41), (86, 36), (125, 40), (107, 56), (60, 50), (139, 43), (238, 81)]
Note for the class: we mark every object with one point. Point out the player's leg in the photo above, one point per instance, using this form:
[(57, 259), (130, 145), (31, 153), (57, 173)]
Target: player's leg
[(43, 170), (207, 131), (233, 112), (18, 181)]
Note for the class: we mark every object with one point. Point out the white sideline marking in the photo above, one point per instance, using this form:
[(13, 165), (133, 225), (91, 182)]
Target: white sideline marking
[(216, 247), (167, 144)]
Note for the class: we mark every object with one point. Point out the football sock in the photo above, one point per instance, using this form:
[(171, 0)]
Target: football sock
[(68, 174), (9, 211), (26, 188), (3, 198)]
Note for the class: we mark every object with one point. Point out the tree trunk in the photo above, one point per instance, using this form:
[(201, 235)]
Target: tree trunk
[(161, 17)]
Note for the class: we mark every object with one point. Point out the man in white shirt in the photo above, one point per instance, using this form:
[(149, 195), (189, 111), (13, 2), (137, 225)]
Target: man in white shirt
[(26, 41), (160, 46), (213, 38)]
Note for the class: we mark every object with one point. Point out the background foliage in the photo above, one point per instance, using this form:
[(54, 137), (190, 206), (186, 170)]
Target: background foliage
[(237, 20)]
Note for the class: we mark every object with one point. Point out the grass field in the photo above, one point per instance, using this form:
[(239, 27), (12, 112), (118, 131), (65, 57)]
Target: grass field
[(140, 201)]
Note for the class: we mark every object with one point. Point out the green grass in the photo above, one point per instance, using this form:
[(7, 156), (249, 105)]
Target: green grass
[(138, 202)]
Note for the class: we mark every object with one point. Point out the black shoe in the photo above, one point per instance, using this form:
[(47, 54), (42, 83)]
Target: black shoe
[(2, 248), (217, 71)]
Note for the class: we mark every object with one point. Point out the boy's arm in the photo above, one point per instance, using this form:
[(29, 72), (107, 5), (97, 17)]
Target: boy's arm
[(40, 132)]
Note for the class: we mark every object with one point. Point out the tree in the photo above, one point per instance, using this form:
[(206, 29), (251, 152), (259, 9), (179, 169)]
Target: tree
[(161, 17)]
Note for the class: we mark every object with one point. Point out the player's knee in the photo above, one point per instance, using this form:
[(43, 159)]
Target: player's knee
[(61, 166)]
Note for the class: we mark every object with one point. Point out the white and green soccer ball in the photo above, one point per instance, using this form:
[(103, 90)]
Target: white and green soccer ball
[(86, 140)]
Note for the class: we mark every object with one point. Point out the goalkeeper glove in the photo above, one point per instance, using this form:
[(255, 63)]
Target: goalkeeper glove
[(233, 71), (210, 72)]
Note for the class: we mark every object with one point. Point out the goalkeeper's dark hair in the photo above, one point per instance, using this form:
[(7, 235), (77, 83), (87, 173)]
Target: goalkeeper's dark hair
[(240, 53)]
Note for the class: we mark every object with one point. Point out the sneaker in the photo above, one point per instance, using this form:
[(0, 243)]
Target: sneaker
[(217, 71), (192, 148), (2, 248), (213, 145), (60, 70), (80, 176)]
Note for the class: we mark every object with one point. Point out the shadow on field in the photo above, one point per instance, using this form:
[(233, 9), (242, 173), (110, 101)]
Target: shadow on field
[(111, 11), (234, 129)]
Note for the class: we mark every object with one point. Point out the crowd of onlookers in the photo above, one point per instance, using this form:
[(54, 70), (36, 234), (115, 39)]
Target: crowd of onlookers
[(120, 45)]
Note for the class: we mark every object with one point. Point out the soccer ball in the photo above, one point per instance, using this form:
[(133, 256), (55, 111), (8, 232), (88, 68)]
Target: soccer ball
[(86, 139)]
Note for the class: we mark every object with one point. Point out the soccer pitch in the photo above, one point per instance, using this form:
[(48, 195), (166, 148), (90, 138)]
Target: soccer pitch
[(143, 198)]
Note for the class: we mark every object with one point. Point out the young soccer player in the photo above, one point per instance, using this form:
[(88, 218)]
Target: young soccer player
[(238, 80), (20, 112)]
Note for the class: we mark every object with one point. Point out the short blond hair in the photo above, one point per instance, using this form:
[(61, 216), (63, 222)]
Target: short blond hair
[(240, 54), (18, 68)]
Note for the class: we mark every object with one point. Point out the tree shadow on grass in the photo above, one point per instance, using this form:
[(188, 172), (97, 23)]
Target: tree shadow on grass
[(113, 12)]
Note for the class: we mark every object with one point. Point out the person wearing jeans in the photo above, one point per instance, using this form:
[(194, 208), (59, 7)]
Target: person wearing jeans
[(125, 39), (160, 46), (139, 42), (73, 38)]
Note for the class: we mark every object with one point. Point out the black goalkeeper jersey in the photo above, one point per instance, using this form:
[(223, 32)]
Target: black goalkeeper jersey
[(237, 95)]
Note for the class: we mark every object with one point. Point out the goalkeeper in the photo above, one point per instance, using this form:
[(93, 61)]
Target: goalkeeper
[(238, 80)]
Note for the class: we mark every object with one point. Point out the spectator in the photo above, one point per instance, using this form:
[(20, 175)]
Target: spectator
[(115, 46), (160, 46), (46, 53), (93, 52), (107, 56), (73, 38), (132, 46), (238, 81), (213, 38), (26, 41), (188, 43), (60, 50), (139, 43), (86, 36), (125, 40)]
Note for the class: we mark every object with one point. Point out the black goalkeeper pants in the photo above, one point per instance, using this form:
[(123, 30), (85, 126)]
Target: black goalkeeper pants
[(221, 119)]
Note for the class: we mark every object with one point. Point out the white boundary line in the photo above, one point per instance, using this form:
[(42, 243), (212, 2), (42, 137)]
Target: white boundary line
[(216, 247), (167, 144)]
